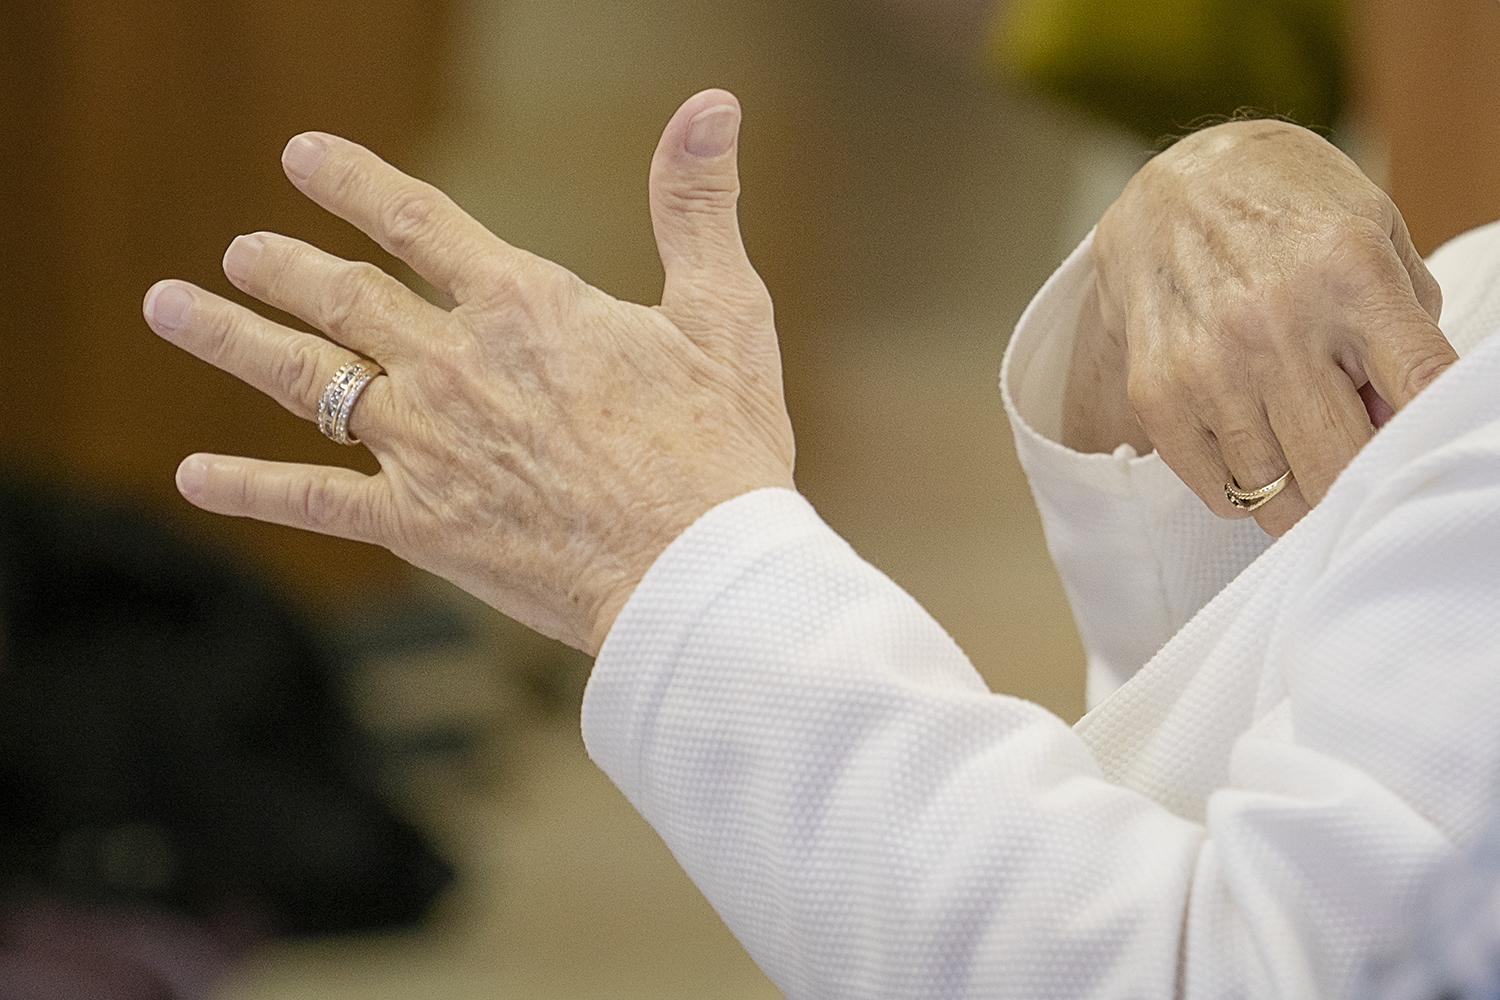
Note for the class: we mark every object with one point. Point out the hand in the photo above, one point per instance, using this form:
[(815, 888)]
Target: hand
[(540, 443), (1259, 308)]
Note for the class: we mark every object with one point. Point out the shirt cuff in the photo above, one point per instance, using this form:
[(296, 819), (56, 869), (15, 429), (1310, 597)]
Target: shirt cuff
[(1137, 551)]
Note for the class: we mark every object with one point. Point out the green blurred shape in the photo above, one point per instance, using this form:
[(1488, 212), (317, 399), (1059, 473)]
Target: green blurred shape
[(1159, 66)]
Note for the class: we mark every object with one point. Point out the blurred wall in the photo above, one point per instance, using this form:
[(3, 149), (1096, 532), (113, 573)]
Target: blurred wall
[(1427, 80)]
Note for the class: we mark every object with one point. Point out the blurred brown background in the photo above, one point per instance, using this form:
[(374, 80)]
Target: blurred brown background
[(901, 203)]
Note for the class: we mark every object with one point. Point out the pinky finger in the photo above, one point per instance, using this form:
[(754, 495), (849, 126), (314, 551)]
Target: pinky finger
[(327, 499)]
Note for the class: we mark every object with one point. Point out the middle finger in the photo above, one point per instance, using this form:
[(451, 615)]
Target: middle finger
[(356, 304)]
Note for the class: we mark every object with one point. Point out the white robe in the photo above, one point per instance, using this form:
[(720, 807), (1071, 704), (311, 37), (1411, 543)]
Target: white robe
[(1253, 813)]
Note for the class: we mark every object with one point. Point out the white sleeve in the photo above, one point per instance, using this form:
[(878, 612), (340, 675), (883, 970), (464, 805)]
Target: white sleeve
[(1138, 552), (866, 817), (871, 822)]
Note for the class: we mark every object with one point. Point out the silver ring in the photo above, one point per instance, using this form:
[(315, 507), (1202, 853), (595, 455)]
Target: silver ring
[(338, 398), (1251, 499)]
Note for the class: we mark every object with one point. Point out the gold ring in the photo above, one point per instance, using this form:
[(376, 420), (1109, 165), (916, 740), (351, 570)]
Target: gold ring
[(338, 398), (1251, 499)]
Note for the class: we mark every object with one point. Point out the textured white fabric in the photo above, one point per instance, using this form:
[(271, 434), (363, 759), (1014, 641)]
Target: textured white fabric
[(1249, 815)]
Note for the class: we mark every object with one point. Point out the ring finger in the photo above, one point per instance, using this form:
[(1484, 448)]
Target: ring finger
[(1253, 460), (291, 367)]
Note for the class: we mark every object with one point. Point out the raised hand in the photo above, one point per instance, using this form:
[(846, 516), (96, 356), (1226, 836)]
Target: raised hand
[(1260, 308), (541, 442)]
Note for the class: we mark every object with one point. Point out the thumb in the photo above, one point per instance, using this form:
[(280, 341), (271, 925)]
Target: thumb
[(711, 291)]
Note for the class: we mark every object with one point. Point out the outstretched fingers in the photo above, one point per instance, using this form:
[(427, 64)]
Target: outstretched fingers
[(326, 499), (409, 218)]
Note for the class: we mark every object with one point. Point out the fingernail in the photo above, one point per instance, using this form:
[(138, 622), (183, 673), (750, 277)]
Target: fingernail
[(304, 153), (240, 258), (191, 475), (167, 305), (712, 132)]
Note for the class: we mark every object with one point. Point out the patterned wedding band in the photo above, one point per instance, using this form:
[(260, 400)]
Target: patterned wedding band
[(1251, 499), (338, 399)]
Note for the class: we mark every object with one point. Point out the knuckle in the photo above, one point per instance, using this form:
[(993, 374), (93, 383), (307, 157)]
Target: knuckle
[(298, 373), (451, 357), (1151, 397), (1356, 258), (1428, 366), (710, 195), (1325, 251), (1251, 319), (320, 506), (528, 284), (238, 491), (489, 282), (353, 294), (1144, 398), (540, 282), (531, 288), (222, 333), (279, 269), (1429, 293), (408, 217), (347, 176), (1362, 232), (1240, 439)]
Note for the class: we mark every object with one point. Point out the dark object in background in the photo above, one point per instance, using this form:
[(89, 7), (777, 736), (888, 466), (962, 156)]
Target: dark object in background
[(170, 737)]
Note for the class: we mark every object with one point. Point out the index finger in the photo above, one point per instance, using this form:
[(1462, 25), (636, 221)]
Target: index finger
[(410, 219), (1404, 358), (1392, 339)]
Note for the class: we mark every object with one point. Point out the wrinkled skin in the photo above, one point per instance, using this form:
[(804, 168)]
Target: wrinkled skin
[(540, 443), (1259, 306)]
